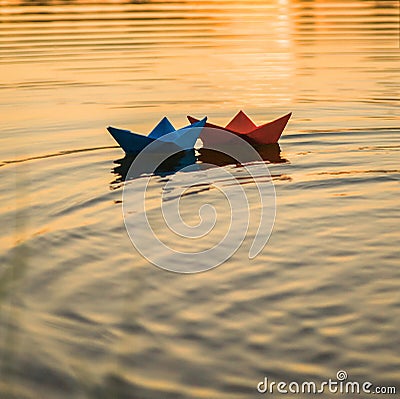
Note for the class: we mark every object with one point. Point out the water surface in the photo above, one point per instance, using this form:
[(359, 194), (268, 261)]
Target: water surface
[(82, 314)]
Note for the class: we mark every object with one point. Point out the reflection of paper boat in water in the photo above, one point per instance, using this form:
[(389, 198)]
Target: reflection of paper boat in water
[(164, 133), (269, 152), (171, 165), (243, 126)]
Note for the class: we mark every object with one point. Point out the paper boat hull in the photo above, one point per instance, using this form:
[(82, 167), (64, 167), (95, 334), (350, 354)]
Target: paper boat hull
[(182, 139), (268, 133)]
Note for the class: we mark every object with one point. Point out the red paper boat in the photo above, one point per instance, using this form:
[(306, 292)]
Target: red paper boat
[(244, 127)]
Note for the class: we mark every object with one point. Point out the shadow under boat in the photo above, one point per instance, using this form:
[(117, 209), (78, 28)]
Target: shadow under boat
[(169, 166), (270, 153)]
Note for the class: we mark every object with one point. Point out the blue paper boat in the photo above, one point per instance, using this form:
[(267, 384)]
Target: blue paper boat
[(164, 133)]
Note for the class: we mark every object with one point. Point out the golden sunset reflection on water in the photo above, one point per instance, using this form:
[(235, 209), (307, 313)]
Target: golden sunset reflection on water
[(83, 314)]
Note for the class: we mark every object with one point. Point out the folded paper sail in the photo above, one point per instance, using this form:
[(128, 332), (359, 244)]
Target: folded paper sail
[(164, 133), (244, 127)]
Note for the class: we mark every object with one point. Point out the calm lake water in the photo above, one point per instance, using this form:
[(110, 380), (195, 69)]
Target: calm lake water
[(82, 314)]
